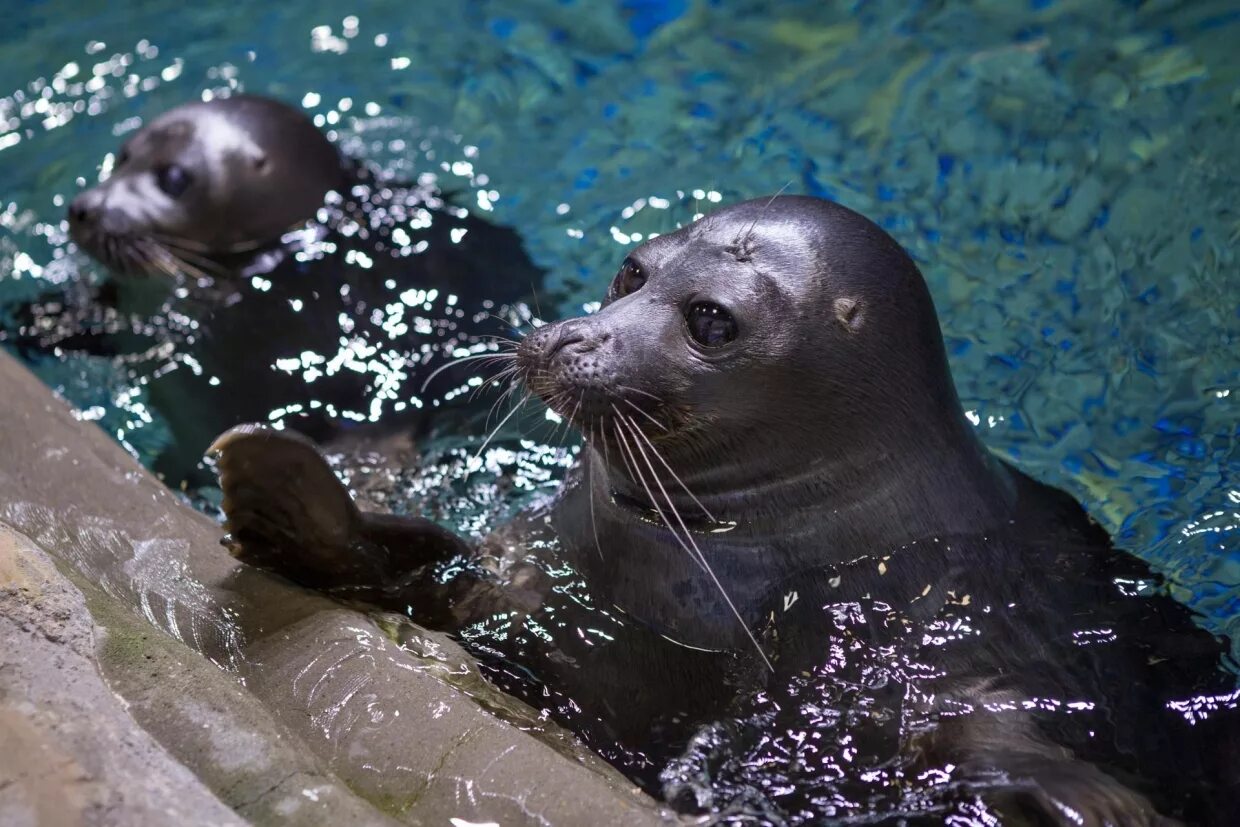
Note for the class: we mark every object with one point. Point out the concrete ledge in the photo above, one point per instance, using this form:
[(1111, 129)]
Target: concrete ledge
[(69, 752), (265, 702)]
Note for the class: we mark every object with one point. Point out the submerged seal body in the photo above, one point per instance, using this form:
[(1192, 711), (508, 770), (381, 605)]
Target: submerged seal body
[(783, 518), (276, 279)]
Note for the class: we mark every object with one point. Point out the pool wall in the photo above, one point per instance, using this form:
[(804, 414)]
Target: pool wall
[(129, 687)]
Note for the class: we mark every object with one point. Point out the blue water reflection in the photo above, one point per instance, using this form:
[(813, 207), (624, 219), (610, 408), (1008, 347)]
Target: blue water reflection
[(1064, 173)]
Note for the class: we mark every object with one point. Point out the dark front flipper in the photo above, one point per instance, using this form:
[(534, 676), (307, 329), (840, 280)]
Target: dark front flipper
[(1068, 793), (1028, 779), (288, 513)]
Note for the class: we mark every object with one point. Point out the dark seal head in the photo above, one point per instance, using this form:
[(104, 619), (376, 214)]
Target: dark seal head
[(783, 358), (204, 182)]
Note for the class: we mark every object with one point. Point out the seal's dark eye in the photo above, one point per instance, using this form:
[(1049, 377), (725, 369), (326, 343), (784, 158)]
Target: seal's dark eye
[(173, 180), (630, 278), (710, 325)]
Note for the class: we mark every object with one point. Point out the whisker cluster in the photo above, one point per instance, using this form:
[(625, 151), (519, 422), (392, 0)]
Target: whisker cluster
[(683, 537)]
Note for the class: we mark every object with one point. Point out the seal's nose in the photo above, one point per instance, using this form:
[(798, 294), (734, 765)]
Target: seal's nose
[(566, 339), (576, 336), (85, 207)]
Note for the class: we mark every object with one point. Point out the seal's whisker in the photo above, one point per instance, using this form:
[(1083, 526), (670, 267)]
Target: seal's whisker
[(507, 394), (556, 403), (180, 243), (534, 293), (516, 327), (628, 466), (491, 436), (110, 255), (635, 470), (530, 382), (199, 247), (564, 426), (461, 359), (593, 523), (145, 251), (656, 422), (743, 239), (675, 476), (198, 265), (174, 265), (602, 433), (555, 426), (140, 259), (494, 381), (125, 253), (696, 553), (189, 259), (504, 339), (189, 254), (160, 263), (248, 246), (642, 392), (497, 379), (630, 463), (501, 359), (572, 416), (508, 369)]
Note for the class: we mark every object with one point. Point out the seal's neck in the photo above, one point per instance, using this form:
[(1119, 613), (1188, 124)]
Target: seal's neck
[(774, 523), (885, 491)]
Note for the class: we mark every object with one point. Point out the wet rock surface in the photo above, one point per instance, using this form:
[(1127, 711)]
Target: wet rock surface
[(69, 751), (154, 680)]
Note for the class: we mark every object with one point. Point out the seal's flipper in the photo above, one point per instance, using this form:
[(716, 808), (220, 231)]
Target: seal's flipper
[(1070, 793), (285, 509), (287, 512), (1029, 779)]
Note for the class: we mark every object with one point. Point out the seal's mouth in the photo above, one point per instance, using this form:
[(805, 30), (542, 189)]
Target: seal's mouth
[(144, 254), (130, 255)]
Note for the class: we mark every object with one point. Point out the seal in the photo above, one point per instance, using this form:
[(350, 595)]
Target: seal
[(209, 180), (261, 274), (783, 518)]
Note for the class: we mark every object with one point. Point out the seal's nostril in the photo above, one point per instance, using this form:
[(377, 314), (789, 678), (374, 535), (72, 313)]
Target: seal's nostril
[(82, 207), (566, 339)]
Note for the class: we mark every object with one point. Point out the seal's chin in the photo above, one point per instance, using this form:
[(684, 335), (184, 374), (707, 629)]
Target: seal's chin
[(582, 404)]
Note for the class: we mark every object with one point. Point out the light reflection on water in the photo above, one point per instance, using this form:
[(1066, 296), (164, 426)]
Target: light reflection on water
[(1062, 172)]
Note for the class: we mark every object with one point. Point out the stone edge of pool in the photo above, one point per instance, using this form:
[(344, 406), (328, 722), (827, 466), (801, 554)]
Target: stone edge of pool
[(147, 678)]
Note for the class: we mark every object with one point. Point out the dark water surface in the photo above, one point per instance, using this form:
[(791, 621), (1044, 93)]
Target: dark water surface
[(1064, 172)]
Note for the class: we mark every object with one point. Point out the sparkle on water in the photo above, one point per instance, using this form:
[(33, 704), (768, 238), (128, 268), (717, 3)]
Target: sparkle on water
[(1064, 172)]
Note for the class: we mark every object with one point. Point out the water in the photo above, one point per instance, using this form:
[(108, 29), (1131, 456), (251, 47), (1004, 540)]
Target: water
[(1064, 172)]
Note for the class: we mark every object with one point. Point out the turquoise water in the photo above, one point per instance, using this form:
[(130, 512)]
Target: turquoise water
[(1064, 172)]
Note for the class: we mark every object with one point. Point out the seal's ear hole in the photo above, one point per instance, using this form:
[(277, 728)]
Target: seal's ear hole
[(260, 162), (848, 313)]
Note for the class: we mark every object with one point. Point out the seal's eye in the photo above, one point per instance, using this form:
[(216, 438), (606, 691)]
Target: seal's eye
[(173, 180), (630, 278), (710, 325)]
